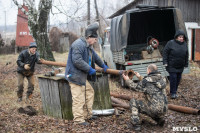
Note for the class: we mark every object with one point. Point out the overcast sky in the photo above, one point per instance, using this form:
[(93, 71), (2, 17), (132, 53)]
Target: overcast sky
[(8, 10)]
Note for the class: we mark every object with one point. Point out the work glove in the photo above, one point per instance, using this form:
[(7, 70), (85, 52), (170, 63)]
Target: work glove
[(104, 67), (27, 67), (91, 71), (121, 72)]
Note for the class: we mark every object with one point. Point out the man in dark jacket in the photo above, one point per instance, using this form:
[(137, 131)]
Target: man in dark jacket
[(81, 68), (175, 58), (155, 102), (26, 63)]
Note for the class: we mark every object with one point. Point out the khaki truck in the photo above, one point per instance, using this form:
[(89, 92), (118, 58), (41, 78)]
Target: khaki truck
[(137, 38)]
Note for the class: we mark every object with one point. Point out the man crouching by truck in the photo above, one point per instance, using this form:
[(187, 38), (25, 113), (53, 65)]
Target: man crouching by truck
[(79, 70), (155, 103)]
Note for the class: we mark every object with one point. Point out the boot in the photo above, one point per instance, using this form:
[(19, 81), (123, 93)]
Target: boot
[(160, 122), (135, 121)]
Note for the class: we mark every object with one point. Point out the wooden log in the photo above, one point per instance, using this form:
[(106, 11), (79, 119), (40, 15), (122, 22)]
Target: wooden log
[(183, 109), (102, 92), (121, 106), (118, 103), (124, 97), (57, 99), (178, 108)]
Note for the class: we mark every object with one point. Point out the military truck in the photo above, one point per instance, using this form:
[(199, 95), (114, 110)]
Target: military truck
[(137, 38)]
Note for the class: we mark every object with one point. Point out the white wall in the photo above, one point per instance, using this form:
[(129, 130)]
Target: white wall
[(189, 26)]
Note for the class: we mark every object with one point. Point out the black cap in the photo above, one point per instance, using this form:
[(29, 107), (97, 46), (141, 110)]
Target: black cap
[(91, 30), (33, 45)]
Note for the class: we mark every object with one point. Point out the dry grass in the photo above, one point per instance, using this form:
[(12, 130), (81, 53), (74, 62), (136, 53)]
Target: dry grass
[(10, 118)]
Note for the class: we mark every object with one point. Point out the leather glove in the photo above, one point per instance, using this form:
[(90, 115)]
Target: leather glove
[(104, 67), (27, 67), (92, 71)]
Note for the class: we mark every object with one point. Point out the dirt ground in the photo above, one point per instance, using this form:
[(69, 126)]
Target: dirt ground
[(12, 121)]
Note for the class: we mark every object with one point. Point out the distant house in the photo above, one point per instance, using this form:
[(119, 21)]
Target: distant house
[(191, 15)]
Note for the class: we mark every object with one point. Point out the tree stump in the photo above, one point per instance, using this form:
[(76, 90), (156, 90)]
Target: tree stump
[(57, 99)]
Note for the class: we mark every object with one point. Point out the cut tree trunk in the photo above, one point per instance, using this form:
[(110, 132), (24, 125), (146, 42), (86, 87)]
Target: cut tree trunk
[(57, 99), (182, 109)]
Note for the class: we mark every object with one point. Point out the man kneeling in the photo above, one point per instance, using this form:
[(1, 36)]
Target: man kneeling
[(155, 103)]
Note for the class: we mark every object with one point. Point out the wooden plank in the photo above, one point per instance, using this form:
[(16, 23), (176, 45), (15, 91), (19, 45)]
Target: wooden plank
[(65, 99), (42, 93), (55, 99), (197, 44), (47, 97)]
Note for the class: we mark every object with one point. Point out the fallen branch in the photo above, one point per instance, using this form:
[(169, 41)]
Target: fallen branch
[(124, 97), (182, 109), (118, 103)]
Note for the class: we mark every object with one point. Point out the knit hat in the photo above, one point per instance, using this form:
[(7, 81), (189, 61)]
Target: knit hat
[(91, 30), (33, 45)]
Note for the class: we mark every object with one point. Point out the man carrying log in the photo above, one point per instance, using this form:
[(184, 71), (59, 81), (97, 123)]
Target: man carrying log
[(81, 68), (155, 103), (26, 64)]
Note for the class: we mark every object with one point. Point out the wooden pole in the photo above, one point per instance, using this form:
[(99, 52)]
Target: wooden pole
[(183, 109)]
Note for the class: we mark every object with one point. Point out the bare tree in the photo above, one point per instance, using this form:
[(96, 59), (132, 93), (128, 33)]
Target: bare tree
[(37, 22), (97, 18), (88, 16)]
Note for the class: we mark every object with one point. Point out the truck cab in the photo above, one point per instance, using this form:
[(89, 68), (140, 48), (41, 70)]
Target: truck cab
[(137, 38)]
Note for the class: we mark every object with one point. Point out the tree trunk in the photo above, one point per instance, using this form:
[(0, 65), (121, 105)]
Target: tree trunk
[(88, 11), (43, 39), (98, 19), (37, 22)]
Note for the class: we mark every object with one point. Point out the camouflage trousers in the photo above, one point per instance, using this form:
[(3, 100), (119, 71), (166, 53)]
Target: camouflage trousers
[(139, 106), (31, 82)]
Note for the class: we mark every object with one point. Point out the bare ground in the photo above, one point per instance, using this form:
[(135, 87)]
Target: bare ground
[(12, 121)]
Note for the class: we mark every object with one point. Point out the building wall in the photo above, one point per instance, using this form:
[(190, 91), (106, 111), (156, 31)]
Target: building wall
[(189, 26), (189, 8)]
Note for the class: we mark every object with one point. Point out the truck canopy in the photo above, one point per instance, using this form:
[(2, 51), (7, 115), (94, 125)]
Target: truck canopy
[(135, 26)]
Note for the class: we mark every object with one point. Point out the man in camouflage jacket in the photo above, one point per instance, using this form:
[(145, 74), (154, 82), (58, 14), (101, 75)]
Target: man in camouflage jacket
[(155, 103)]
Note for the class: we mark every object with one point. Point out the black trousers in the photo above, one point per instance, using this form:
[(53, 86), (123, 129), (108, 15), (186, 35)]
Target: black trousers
[(174, 79)]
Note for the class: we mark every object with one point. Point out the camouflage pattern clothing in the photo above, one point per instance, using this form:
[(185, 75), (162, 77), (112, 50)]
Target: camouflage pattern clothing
[(155, 103)]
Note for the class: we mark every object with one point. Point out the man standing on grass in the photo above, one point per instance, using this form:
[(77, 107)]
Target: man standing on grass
[(79, 70), (26, 63)]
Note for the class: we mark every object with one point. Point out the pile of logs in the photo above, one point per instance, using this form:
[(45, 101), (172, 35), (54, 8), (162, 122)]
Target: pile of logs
[(118, 103)]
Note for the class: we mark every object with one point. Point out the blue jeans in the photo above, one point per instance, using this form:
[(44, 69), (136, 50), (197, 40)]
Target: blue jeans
[(174, 79)]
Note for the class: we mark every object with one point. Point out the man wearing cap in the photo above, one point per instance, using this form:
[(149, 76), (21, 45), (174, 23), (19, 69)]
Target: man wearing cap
[(26, 63), (79, 70)]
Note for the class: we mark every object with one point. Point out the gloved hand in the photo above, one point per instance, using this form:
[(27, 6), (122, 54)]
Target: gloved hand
[(27, 67), (121, 72), (91, 71), (104, 67)]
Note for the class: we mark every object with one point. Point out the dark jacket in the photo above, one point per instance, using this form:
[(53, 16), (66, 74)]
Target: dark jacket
[(175, 54), (78, 62), (26, 58), (153, 86)]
